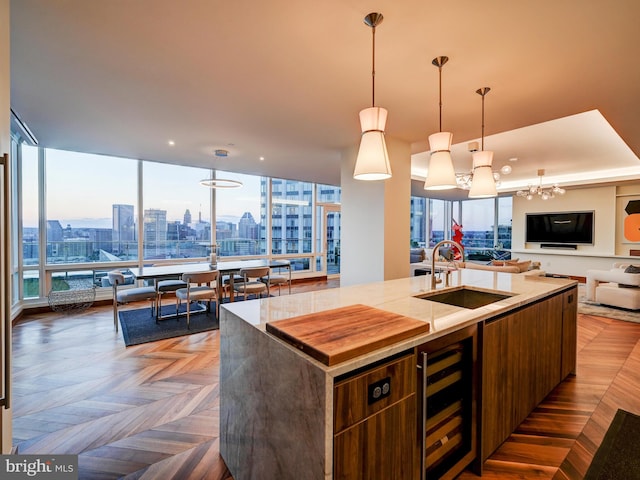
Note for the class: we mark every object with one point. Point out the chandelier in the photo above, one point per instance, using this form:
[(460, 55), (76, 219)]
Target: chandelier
[(464, 180), (544, 193)]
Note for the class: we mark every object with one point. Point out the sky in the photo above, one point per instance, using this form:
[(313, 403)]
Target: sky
[(81, 189)]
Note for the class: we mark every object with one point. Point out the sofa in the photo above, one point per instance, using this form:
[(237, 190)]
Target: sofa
[(420, 259), (617, 287)]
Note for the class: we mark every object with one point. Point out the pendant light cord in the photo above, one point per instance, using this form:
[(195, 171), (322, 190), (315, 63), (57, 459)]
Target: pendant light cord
[(482, 92), (440, 96), (482, 138), (439, 62), (373, 67)]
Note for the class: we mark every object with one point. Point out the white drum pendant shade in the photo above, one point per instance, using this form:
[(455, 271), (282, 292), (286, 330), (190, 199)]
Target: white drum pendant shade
[(372, 162), (441, 175), (483, 184)]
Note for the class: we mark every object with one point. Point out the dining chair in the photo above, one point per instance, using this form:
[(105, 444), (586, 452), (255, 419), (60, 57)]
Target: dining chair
[(165, 286), (126, 295), (277, 279), (251, 282), (199, 287)]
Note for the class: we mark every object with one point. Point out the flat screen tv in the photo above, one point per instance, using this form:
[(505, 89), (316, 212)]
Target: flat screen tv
[(573, 228)]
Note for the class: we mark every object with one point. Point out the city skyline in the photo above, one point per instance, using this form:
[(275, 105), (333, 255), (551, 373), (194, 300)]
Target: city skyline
[(73, 193)]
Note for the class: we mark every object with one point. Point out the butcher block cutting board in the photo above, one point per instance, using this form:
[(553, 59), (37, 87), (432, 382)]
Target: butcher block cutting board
[(340, 334)]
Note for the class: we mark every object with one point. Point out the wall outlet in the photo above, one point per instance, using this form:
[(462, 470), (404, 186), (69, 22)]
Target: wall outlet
[(379, 390)]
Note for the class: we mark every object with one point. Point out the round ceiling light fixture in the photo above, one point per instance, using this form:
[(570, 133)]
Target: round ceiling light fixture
[(220, 182)]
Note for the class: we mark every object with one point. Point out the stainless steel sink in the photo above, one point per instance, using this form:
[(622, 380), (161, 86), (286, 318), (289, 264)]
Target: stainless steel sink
[(466, 297)]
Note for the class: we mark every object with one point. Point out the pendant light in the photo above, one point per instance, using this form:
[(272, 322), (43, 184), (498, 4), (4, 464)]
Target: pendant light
[(483, 184), (220, 182), (372, 162), (441, 175)]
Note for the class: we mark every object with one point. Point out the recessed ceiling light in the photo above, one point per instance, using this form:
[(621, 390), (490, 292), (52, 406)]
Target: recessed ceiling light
[(262, 159), (513, 159), (171, 143)]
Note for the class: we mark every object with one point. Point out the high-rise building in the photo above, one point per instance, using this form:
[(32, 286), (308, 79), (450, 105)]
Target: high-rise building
[(155, 232), (247, 227), (124, 229), (187, 217)]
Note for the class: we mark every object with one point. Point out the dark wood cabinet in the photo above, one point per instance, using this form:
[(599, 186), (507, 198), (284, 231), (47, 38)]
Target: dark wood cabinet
[(374, 423), (525, 355), (569, 332)]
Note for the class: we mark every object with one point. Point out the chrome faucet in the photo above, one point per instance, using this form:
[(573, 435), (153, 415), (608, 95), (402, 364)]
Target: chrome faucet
[(434, 253)]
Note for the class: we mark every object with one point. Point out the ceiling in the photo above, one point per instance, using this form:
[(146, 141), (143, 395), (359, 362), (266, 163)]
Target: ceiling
[(285, 81)]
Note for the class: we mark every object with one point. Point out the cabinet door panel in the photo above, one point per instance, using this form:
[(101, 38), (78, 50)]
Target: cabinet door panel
[(497, 386), (379, 448), (549, 348), (569, 332)]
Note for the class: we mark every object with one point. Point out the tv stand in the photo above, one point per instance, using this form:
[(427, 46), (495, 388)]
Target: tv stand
[(566, 246)]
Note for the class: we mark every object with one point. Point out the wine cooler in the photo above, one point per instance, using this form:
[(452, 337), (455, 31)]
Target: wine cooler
[(447, 392)]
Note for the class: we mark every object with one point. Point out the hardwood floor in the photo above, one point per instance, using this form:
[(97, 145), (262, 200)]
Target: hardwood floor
[(151, 411)]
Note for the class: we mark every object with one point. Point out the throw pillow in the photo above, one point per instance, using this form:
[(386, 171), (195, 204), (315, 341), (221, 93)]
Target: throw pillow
[(523, 266), (630, 269), (502, 263)]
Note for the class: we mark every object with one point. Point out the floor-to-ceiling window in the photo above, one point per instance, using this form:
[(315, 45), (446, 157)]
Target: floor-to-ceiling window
[(176, 218), (478, 220), (238, 213), (30, 217), (81, 192), (505, 215), (439, 221), (292, 221), (485, 224), (84, 214), (418, 222)]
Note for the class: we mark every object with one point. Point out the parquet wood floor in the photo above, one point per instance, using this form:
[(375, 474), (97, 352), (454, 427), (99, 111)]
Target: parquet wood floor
[(151, 411)]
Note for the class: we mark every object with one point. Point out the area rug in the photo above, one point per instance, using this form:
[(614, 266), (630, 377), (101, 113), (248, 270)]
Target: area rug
[(139, 325), (617, 457), (595, 309)]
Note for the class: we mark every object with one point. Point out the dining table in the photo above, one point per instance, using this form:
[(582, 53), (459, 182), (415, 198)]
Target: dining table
[(224, 267)]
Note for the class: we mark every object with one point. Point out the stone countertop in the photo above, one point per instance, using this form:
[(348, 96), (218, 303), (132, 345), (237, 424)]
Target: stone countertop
[(399, 296)]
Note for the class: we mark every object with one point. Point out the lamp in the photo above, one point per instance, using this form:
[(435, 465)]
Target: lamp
[(220, 182), (440, 175), (483, 184), (544, 193), (372, 162)]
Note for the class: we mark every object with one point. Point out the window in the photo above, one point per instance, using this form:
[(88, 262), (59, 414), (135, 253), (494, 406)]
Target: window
[(176, 218), (291, 216), (478, 220), (505, 211), (238, 213), (438, 221), (30, 236), (81, 192), (418, 221)]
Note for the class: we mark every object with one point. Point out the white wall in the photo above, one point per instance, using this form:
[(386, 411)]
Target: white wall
[(608, 246), (375, 220)]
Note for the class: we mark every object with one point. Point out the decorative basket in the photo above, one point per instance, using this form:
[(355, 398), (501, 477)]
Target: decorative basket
[(71, 300)]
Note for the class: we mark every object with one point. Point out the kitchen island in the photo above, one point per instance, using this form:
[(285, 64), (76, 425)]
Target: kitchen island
[(288, 412)]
